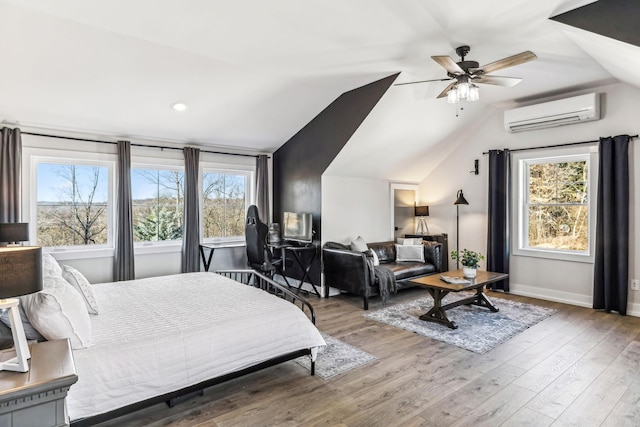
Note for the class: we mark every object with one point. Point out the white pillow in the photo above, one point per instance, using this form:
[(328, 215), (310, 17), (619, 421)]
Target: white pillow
[(359, 245), (410, 253), (50, 266), (410, 241), (376, 260), (58, 312), (83, 286)]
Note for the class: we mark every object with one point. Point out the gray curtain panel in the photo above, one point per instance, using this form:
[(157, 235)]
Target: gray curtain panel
[(191, 226), (611, 264), (262, 188), (498, 249), (124, 268), (10, 169)]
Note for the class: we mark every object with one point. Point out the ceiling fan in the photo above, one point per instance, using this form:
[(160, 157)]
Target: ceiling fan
[(465, 74)]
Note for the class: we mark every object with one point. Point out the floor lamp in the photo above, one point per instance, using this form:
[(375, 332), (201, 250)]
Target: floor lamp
[(459, 201)]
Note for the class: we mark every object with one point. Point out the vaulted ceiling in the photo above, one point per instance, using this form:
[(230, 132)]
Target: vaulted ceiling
[(253, 73)]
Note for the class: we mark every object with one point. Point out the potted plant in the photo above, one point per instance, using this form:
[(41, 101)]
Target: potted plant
[(470, 261)]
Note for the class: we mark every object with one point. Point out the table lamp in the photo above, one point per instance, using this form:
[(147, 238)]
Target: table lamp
[(20, 274), (421, 212), (13, 232)]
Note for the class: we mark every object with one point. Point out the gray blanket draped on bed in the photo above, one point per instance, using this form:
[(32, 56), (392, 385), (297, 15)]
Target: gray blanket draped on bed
[(386, 281)]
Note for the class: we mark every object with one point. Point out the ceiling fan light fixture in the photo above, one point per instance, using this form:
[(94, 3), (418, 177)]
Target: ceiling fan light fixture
[(463, 90), (452, 96), (474, 93)]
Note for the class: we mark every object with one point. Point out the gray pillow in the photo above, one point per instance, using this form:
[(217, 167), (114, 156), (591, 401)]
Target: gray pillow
[(30, 332), (409, 253), (359, 245), (6, 339)]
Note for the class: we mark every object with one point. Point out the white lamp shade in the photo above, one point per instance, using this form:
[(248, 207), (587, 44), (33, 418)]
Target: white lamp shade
[(474, 93), (452, 96)]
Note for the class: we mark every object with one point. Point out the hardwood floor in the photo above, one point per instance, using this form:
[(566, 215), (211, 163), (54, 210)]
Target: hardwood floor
[(577, 368)]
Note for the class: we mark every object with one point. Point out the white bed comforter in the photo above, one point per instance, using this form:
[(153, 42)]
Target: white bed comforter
[(161, 334)]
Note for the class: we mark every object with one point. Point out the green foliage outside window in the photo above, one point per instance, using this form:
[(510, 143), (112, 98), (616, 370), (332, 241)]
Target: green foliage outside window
[(558, 209)]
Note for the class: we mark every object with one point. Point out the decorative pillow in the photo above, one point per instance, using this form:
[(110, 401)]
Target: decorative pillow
[(410, 253), (410, 241), (30, 332), (83, 286), (374, 255), (359, 245), (50, 266), (58, 312)]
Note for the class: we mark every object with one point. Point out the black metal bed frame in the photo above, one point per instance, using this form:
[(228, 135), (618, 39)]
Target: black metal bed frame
[(247, 277)]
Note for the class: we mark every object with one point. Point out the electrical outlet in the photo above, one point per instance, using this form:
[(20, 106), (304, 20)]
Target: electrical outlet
[(635, 285)]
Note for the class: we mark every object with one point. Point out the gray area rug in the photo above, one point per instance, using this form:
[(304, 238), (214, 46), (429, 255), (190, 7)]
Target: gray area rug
[(479, 329), (336, 358)]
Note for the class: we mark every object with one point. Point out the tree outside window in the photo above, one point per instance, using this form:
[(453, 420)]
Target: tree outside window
[(72, 204), (158, 204), (224, 204), (557, 205)]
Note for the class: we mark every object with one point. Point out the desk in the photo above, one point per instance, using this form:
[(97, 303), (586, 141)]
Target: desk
[(305, 267), (206, 261)]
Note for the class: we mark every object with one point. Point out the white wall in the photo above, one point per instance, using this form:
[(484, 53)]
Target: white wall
[(564, 281), (354, 207)]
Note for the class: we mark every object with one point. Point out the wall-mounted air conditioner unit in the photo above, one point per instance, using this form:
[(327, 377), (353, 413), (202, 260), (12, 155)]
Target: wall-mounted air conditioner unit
[(578, 109)]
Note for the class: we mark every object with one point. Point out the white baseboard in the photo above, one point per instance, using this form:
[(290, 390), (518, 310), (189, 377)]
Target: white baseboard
[(633, 309)]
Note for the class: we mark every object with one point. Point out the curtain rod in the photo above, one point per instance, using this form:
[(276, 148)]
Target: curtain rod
[(557, 145), (135, 145)]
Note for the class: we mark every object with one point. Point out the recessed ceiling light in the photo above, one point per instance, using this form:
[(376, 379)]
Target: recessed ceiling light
[(179, 106)]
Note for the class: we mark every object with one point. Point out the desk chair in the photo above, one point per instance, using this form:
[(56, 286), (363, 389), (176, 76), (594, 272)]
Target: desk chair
[(259, 254)]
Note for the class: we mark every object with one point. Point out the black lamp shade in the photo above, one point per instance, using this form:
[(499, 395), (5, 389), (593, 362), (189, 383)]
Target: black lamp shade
[(20, 270), (421, 211), (460, 200), (14, 232)]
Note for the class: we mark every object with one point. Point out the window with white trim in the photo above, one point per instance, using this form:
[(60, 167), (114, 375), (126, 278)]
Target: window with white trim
[(158, 203), (225, 197), (73, 203), (555, 209)]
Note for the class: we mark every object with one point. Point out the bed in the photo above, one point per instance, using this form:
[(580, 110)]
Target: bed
[(158, 338)]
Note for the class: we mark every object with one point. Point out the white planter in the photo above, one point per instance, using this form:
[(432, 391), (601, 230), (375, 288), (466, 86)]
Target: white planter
[(468, 272)]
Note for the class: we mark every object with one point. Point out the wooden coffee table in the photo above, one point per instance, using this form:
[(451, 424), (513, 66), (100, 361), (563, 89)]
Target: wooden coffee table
[(439, 289)]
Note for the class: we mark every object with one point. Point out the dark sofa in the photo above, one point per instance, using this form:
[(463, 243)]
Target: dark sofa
[(353, 271)]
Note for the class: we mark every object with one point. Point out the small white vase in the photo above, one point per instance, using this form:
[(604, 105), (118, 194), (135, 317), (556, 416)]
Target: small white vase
[(469, 272)]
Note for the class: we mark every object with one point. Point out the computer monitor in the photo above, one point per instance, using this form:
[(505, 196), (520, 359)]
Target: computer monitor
[(297, 227)]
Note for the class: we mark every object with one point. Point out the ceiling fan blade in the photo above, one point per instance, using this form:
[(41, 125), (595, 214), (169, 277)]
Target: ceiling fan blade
[(422, 81), (446, 90), (448, 64), (511, 61), (497, 80)]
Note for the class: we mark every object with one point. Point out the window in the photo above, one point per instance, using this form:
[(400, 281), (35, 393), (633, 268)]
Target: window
[(224, 195), (158, 204), (555, 210), (73, 203)]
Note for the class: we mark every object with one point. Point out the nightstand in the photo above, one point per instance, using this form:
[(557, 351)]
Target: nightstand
[(36, 398)]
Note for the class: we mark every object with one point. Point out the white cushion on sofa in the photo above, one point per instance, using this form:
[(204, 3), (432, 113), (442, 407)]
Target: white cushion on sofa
[(359, 245), (376, 260), (409, 253), (409, 240)]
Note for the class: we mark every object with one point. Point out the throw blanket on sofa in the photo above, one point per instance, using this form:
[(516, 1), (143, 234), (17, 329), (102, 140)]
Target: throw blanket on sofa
[(386, 281)]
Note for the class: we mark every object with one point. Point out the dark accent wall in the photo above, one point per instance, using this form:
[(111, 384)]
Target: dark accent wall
[(298, 165), (616, 19)]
